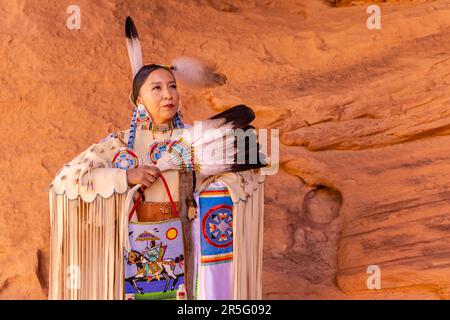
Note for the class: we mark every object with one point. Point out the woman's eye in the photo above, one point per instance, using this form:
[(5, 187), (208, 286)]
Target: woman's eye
[(157, 87), (173, 86)]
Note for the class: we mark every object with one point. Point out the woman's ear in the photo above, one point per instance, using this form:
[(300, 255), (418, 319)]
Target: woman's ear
[(138, 101)]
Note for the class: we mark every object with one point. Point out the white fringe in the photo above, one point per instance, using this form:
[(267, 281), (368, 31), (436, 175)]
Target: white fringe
[(86, 255), (248, 231)]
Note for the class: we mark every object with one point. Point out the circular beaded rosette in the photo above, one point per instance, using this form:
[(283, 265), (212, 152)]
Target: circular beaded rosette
[(156, 151), (125, 158), (217, 226)]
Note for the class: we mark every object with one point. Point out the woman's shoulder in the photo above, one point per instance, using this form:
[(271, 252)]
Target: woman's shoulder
[(121, 136)]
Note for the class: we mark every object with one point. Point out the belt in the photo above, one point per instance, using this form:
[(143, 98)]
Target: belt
[(156, 211)]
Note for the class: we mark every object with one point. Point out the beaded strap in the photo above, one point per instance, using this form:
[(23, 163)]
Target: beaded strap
[(132, 129), (177, 122)]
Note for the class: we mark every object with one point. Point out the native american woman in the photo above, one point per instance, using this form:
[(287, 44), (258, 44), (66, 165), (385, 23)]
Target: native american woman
[(122, 229)]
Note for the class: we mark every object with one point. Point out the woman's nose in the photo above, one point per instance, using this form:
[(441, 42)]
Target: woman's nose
[(167, 94)]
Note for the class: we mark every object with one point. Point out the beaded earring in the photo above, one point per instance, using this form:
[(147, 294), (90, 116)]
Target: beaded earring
[(143, 118), (125, 157)]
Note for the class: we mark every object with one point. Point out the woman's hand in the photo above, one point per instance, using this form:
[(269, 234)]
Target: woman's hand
[(144, 175)]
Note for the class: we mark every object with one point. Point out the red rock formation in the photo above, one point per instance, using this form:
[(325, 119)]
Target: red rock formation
[(363, 116)]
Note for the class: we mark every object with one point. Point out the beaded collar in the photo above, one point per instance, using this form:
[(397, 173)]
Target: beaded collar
[(161, 132)]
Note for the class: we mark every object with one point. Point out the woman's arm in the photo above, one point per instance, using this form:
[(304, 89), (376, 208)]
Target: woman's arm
[(91, 173)]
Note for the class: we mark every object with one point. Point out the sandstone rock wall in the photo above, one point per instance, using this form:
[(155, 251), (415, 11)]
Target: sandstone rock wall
[(363, 116)]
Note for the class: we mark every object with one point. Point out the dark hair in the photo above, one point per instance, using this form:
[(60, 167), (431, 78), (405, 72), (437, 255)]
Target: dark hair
[(142, 76)]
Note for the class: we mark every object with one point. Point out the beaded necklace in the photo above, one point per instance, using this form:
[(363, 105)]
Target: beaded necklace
[(126, 157)]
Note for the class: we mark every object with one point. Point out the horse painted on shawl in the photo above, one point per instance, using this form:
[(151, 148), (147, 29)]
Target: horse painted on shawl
[(143, 269)]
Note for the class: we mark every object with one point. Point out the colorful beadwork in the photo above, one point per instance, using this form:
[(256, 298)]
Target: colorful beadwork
[(142, 117), (156, 151), (182, 155), (125, 158), (177, 120), (217, 226), (132, 129), (154, 267)]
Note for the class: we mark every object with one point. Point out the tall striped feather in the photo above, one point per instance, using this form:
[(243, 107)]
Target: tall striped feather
[(133, 46)]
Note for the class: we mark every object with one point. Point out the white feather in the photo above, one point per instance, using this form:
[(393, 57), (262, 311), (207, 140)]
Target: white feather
[(133, 46), (135, 55), (193, 72)]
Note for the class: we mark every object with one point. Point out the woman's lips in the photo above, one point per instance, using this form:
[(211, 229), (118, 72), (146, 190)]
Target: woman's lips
[(169, 106)]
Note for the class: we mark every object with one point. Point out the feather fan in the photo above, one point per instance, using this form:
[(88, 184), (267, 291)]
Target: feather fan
[(225, 143)]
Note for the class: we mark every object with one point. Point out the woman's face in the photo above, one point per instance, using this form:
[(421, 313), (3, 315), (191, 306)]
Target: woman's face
[(160, 96)]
